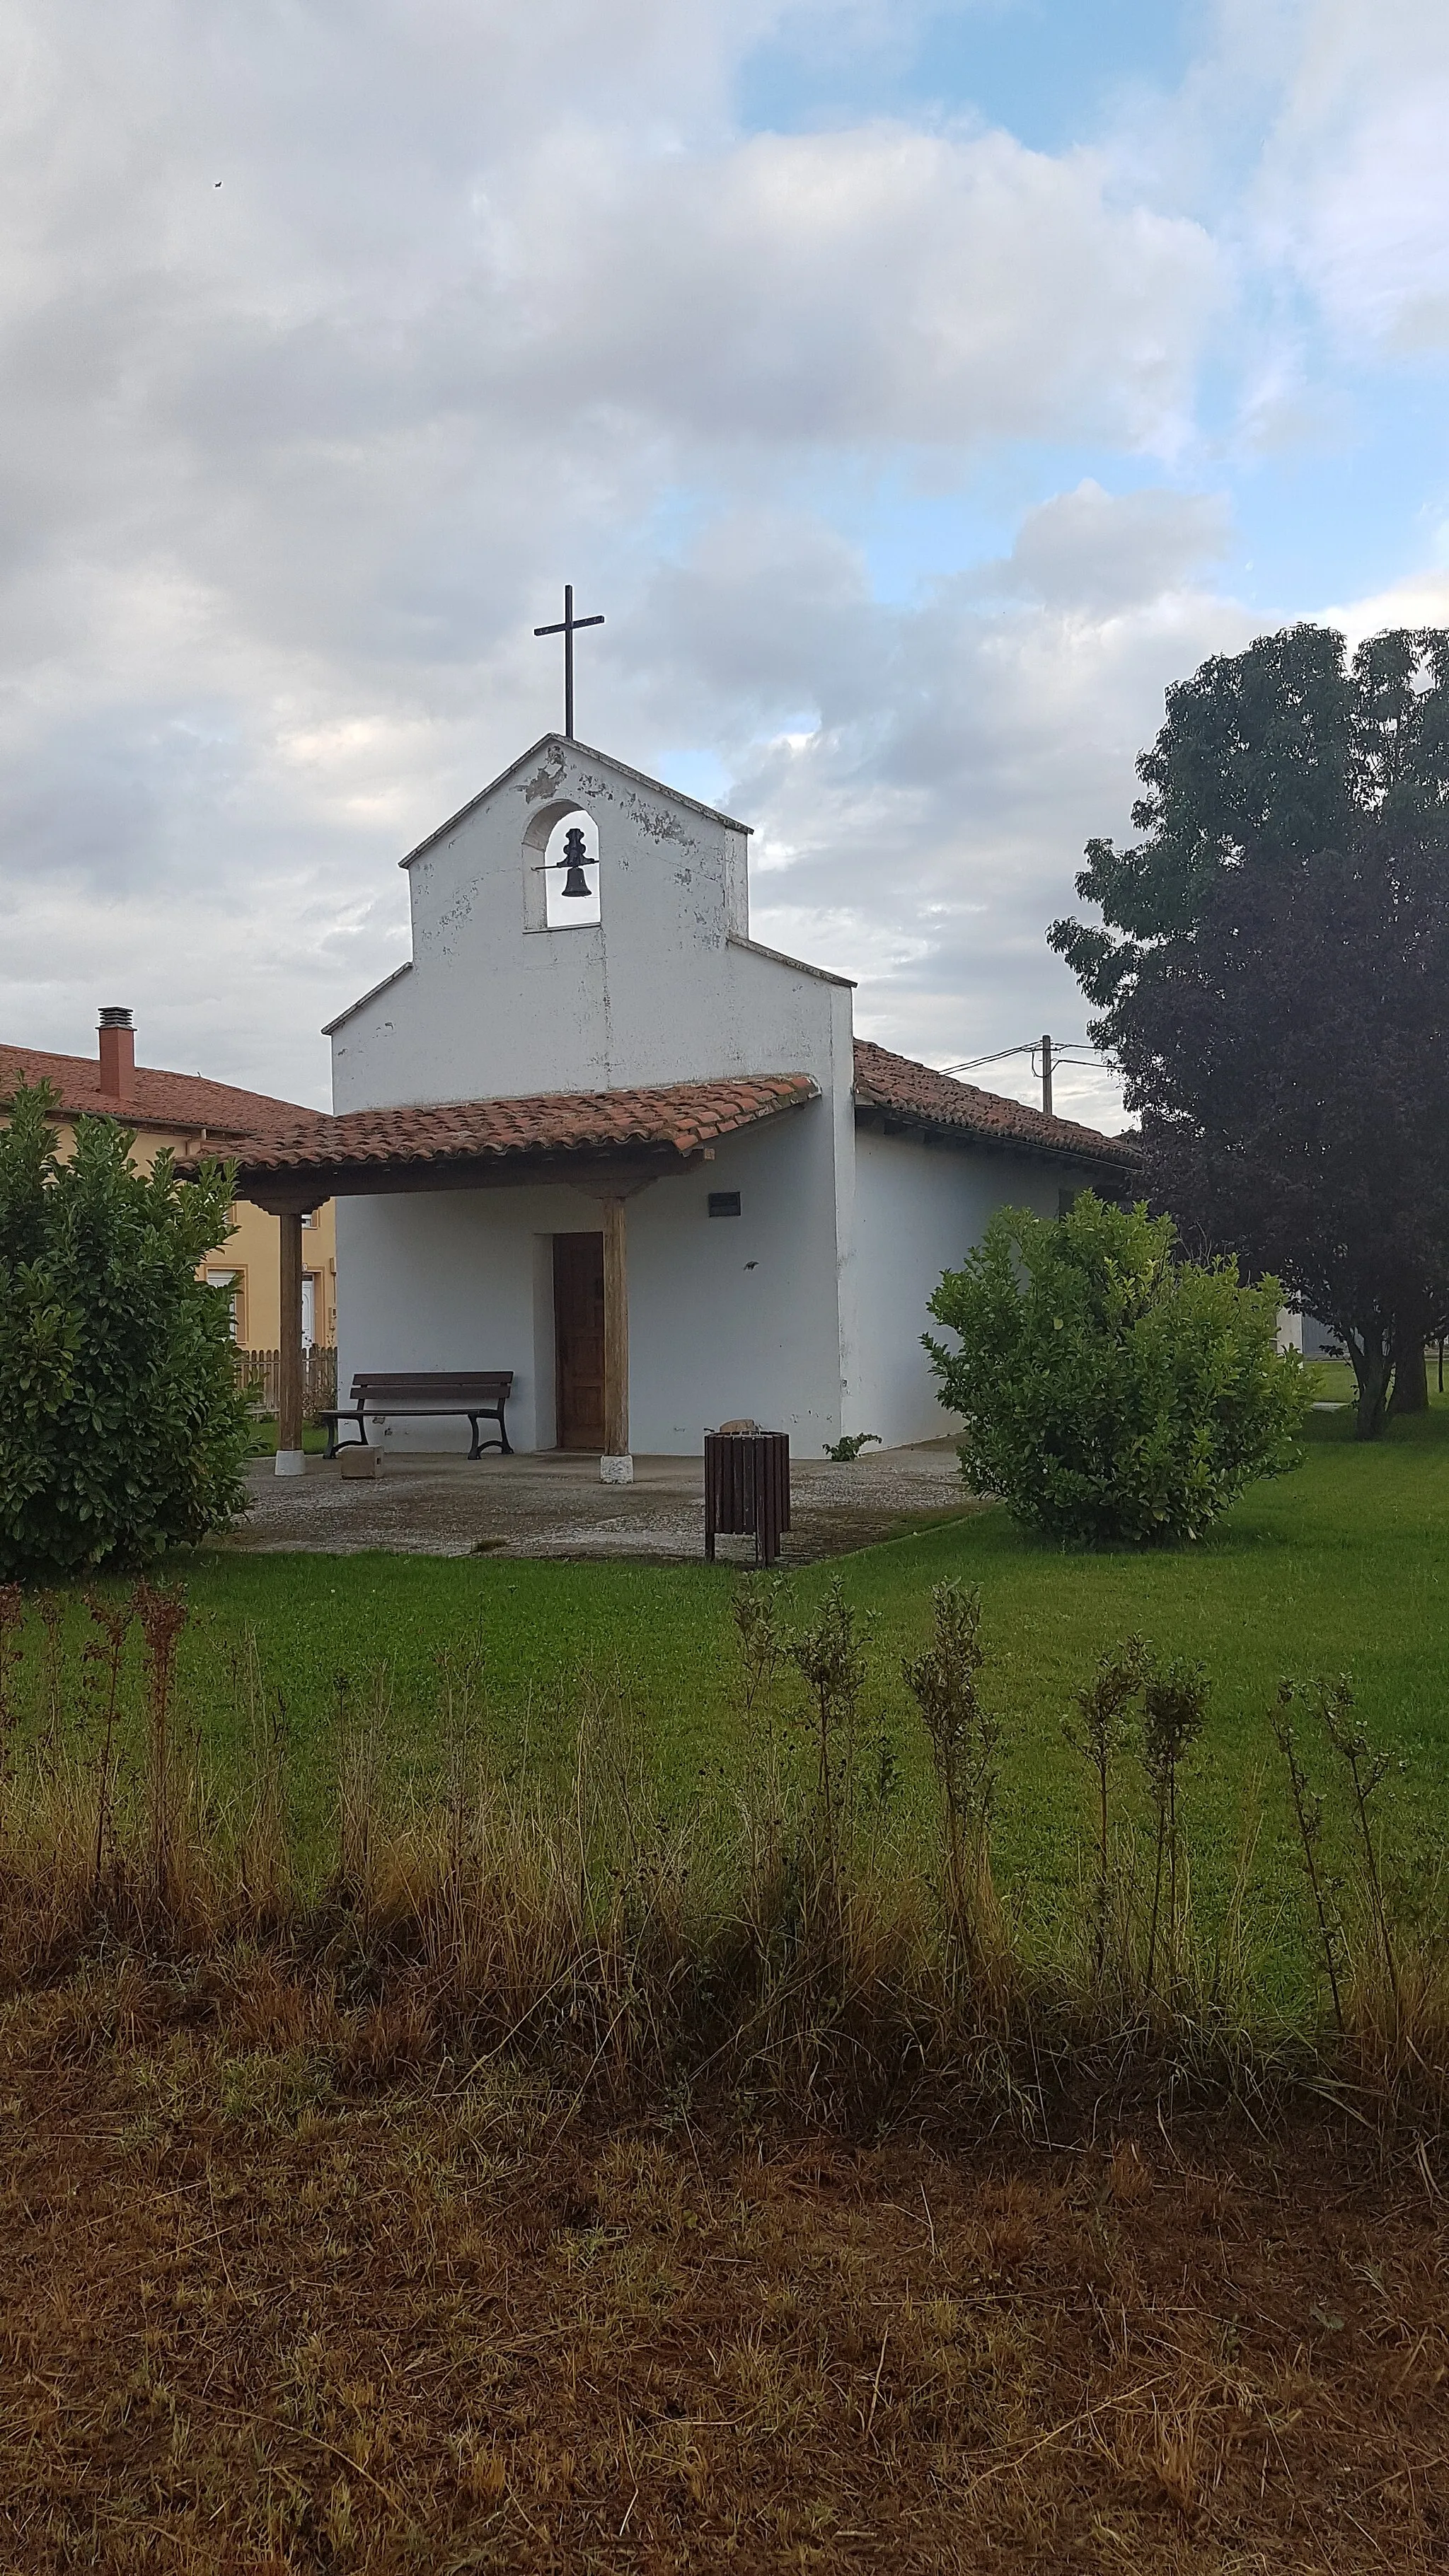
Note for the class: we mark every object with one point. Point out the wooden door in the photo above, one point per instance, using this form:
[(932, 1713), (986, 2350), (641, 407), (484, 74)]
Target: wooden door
[(578, 1317)]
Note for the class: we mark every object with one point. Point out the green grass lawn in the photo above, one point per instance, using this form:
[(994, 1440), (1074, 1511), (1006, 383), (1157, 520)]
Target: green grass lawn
[(1342, 1566), (264, 1437)]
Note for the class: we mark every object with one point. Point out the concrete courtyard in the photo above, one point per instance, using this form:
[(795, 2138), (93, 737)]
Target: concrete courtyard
[(550, 1503)]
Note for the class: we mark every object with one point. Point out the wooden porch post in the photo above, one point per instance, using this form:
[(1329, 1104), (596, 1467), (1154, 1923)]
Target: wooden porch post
[(616, 1467), (289, 1344)]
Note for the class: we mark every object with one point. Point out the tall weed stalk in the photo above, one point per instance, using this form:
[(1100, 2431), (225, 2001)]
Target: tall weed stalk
[(1174, 1702), (965, 1741), (767, 1935), (1101, 1732), (104, 1653)]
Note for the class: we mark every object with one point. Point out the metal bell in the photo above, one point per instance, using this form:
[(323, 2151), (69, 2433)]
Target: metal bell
[(575, 883)]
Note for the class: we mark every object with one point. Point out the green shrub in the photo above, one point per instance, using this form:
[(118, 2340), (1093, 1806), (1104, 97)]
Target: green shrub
[(1111, 1392), (122, 1429)]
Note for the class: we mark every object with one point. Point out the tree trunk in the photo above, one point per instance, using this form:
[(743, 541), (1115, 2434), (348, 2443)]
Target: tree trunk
[(1372, 1368), (1411, 1368)]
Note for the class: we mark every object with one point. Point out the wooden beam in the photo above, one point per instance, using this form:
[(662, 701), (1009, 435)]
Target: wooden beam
[(616, 1339), (615, 1176), (289, 1344)]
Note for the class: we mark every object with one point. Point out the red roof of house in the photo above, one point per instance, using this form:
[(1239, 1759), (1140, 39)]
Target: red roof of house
[(920, 1097), (184, 1104), (679, 1116)]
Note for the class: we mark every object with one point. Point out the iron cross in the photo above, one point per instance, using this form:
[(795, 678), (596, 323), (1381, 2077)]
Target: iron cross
[(568, 628)]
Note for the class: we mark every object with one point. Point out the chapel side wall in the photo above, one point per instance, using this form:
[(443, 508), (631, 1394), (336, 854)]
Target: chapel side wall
[(919, 1210), (739, 1316)]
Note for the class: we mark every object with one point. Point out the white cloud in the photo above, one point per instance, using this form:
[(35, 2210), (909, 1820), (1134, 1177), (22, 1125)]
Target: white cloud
[(1091, 550), (1353, 189), (1420, 599), (492, 295), (293, 463), (939, 823), (873, 285)]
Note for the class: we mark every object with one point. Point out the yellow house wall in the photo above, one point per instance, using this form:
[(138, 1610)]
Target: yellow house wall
[(252, 1251)]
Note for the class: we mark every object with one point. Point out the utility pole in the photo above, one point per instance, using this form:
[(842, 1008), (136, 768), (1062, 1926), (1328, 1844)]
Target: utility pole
[(1046, 1077)]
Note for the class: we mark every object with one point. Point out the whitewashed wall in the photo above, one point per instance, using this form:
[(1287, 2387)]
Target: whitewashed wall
[(806, 1311), (456, 1280), (728, 1315), (739, 1316), (919, 1209), (663, 988)]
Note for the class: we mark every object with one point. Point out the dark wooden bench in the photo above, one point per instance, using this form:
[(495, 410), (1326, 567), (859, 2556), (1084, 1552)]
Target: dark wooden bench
[(478, 1394)]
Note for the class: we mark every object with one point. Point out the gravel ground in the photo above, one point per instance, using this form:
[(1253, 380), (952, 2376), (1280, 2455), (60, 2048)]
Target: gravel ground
[(552, 1505)]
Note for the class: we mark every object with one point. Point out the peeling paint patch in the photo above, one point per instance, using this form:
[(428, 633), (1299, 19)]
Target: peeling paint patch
[(544, 782)]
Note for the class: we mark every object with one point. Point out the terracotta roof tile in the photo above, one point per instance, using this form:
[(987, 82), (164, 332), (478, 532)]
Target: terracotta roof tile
[(267, 1134), (682, 1116), (181, 1103), (921, 1097)]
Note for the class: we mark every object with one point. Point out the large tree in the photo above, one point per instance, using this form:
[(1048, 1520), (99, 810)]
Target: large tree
[(1272, 975)]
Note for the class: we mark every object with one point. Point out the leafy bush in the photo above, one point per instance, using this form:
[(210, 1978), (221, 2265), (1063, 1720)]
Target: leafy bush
[(1109, 1391), (844, 1452), (122, 1429)]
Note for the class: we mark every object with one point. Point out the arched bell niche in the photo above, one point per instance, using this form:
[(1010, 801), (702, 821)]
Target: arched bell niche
[(561, 869)]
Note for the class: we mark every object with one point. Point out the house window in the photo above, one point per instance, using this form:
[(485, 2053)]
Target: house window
[(724, 1202), (236, 1281), (1066, 1201)]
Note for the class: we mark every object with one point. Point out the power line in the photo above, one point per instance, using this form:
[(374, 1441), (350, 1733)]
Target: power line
[(1047, 1058), (1070, 1051)]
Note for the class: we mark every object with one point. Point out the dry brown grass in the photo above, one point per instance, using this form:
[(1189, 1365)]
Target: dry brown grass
[(544, 2183), (268, 2304)]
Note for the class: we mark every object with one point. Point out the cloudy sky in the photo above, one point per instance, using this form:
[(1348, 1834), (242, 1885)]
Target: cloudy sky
[(918, 388)]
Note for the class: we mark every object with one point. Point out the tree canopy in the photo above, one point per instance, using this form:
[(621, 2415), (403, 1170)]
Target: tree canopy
[(1272, 975), (122, 1430)]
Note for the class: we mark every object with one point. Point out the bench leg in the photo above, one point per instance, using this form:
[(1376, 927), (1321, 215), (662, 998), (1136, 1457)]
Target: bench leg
[(501, 1444)]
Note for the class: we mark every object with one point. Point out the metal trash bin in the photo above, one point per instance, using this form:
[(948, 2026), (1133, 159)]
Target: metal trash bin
[(747, 1489)]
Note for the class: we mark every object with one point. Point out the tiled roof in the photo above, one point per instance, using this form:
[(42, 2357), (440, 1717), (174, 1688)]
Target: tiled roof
[(679, 1116), (921, 1097), (278, 1135), (183, 1104)]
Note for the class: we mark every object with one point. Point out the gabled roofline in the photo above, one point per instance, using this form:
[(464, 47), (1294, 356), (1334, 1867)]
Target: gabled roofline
[(887, 1087), (330, 1026), (797, 965), (621, 769)]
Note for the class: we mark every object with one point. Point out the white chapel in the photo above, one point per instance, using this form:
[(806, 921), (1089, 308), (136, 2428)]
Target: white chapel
[(594, 1134)]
